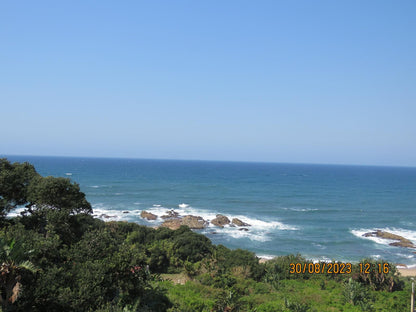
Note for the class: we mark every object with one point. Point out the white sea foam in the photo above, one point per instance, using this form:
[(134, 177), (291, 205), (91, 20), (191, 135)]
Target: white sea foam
[(16, 212), (319, 246), (267, 225), (406, 256), (68, 173), (183, 205), (301, 209), (320, 259), (98, 186), (267, 257), (108, 214), (411, 266), (252, 234)]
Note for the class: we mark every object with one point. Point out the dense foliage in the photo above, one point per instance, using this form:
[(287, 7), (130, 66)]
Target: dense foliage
[(57, 257)]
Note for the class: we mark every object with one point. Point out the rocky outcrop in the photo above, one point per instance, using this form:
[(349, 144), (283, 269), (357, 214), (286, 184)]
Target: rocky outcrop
[(172, 224), (220, 220), (238, 222), (193, 222), (400, 240), (405, 243), (148, 215), (170, 214)]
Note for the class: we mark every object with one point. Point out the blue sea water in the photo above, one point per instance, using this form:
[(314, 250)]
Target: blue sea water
[(320, 211)]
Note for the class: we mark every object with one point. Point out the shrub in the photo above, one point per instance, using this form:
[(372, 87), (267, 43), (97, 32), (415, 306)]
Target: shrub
[(377, 279)]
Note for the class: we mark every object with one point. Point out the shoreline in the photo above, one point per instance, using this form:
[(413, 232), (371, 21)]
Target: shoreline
[(407, 271), (401, 268)]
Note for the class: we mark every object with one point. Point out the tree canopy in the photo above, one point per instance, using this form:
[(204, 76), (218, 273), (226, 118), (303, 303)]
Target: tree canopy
[(14, 181), (20, 185), (57, 193)]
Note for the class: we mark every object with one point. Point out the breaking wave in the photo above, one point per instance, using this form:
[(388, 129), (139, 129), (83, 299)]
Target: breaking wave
[(259, 230)]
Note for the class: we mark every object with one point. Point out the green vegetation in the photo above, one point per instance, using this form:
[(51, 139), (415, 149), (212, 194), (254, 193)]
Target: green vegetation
[(57, 257)]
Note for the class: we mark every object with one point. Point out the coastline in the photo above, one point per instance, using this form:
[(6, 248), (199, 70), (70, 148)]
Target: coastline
[(407, 271)]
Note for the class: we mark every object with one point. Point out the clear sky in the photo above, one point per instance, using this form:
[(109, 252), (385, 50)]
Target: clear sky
[(281, 81)]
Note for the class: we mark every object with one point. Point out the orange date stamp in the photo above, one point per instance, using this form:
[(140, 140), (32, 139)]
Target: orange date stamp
[(320, 268), (337, 268)]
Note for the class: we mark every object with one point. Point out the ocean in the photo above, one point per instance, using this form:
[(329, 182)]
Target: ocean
[(319, 211)]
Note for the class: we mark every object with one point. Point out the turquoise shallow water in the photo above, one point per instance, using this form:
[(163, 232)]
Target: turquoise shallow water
[(320, 211)]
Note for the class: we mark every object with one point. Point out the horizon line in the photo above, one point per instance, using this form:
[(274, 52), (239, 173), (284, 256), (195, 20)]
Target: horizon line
[(211, 160)]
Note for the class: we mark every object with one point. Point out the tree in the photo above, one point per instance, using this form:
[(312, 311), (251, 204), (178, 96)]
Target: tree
[(20, 185), (50, 193), (54, 205), (14, 181)]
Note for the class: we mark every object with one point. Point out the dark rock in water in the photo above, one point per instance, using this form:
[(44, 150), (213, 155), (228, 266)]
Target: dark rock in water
[(220, 220), (126, 211), (104, 216), (214, 232), (148, 215), (401, 241), (170, 214), (238, 222), (406, 243), (243, 229)]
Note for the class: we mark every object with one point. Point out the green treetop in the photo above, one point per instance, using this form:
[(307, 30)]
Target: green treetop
[(20, 184)]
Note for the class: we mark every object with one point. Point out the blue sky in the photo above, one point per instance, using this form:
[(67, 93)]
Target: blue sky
[(281, 81)]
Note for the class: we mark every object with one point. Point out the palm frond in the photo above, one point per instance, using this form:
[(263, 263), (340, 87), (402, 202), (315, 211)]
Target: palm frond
[(27, 265)]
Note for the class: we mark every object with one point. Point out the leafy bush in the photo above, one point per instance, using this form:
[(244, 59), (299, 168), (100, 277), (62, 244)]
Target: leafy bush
[(354, 293), (279, 269), (191, 246), (377, 279)]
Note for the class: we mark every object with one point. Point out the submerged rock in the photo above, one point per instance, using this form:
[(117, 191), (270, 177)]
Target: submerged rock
[(104, 216), (238, 222), (220, 220), (148, 215), (243, 229), (401, 241)]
